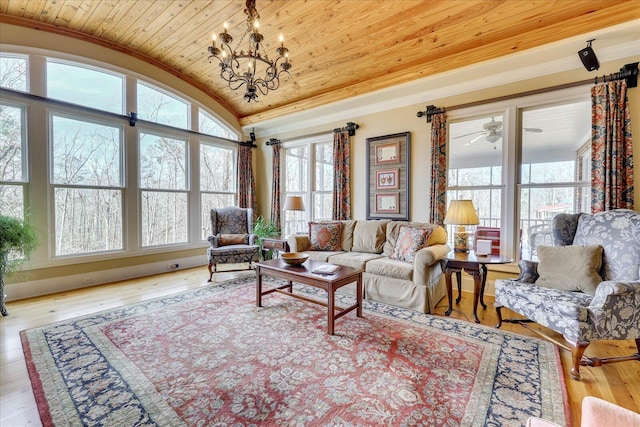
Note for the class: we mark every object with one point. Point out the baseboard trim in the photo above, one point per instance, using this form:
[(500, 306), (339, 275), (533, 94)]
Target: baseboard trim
[(36, 288)]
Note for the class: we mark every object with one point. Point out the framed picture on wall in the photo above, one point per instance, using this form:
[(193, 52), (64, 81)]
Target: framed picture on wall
[(387, 202), (387, 179), (388, 187), (387, 153)]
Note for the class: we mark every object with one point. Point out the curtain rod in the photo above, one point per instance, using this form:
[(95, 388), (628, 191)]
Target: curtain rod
[(350, 127), (629, 73), (132, 118)]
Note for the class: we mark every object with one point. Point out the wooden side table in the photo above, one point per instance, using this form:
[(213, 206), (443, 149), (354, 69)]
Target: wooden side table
[(476, 266), (276, 243)]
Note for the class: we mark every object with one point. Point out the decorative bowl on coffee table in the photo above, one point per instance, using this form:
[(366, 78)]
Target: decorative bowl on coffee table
[(294, 258)]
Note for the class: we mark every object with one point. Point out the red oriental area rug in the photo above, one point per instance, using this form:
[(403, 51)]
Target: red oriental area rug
[(210, 357)]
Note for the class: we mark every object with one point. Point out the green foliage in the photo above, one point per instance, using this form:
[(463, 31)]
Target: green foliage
[(16, 236), (265, 228)]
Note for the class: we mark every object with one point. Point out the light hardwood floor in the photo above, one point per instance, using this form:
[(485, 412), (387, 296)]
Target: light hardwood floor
[(618, 382)]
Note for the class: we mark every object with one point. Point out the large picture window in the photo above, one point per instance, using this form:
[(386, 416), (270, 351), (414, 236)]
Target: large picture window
[(94, 186), (521, 172), (308, 173)]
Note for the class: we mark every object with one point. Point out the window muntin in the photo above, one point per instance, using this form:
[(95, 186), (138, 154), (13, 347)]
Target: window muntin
[(217, 181), (87, 179), (85, 86), (158, 106), (13, 72)]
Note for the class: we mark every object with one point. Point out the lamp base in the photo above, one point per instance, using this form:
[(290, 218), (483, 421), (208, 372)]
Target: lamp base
[(460, 240)]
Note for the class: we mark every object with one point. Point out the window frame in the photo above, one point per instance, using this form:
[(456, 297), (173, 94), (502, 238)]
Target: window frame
[(205, 220), (88, 117), (38, 191), (85, 66), (25, 179), (512, 152), (310, 191)]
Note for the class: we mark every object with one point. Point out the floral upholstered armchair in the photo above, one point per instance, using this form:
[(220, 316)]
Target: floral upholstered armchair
[(232, 241), (587, 287)]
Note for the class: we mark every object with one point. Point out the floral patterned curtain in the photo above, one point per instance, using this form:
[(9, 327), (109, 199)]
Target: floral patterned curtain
[(611, 148), (246, 183), (438, 196), (342, 177), (276, 206)]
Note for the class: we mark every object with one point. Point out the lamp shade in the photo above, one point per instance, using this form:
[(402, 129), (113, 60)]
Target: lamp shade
[(294, 203), (461, 212)]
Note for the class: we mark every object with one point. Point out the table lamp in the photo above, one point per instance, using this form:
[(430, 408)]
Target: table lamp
[(460, 214), (294, 203)]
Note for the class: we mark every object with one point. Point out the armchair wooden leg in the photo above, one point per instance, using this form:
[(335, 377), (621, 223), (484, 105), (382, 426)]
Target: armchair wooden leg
[(499, 314), (576, 357), (210, 271)]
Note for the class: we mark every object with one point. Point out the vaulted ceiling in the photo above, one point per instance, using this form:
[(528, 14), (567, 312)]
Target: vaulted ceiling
[(339, 48)]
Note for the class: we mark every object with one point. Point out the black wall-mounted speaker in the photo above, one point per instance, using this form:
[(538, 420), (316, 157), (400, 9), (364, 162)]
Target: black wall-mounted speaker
[(589, 58)]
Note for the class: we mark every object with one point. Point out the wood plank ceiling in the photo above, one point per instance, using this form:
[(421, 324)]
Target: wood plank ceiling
[(338, 48)]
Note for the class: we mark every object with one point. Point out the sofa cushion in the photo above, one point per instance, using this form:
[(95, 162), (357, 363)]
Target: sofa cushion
[(321, 255), (352, 259), (233, 239), (410, 240), (438, 234), (325, 236), (347, 234), (570, 268), (391, 268), (369, 236)]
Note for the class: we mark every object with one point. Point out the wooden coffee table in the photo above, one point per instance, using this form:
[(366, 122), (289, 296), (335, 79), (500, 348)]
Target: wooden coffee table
[(303, 274)]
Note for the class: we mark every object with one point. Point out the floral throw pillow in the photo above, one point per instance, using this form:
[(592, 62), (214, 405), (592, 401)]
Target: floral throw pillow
[(325, 236), (410, 240)]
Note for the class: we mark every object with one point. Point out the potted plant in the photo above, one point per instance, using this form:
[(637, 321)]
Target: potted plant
[(17, 241), (264, 228)]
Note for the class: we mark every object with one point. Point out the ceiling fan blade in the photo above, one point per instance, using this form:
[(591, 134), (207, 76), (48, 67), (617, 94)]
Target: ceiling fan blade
[(475, 139), (536, 130), (468, 134)]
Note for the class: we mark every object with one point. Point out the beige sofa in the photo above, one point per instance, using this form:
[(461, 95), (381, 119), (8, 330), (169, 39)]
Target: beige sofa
[(369, 244)]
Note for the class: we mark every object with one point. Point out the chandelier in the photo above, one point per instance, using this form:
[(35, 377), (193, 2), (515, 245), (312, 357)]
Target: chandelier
[(251, 68)]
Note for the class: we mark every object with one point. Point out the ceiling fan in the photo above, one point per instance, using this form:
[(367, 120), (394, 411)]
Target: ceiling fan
[(492, 132)]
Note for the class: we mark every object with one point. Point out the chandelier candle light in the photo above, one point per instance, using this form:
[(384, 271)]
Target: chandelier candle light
[(461, 213), (251, 68)]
